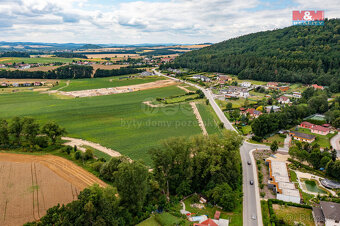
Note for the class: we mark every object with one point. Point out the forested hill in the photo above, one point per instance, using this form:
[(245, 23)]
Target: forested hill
[(307, 54)]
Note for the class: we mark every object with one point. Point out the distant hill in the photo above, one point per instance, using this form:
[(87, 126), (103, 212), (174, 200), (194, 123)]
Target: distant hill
[(307, 54), (91, 46)]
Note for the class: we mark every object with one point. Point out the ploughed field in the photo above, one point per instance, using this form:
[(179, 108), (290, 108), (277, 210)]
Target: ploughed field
[(31, 184)]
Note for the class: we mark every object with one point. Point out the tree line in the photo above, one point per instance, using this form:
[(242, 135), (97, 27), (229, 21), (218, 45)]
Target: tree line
[(116, 72), (70, 55), (293, 54), (15, 54), (207, 165), (27, 134)]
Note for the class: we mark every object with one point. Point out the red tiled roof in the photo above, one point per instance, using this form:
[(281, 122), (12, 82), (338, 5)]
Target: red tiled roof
[(283, 98), (307, 124), (320, 128), (316, 86), (217, 215), (208, 222)]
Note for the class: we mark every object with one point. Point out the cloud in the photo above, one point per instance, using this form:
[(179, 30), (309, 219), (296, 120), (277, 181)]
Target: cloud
[(181, 21)]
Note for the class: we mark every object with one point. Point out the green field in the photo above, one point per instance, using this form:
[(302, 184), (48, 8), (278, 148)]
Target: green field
[(322, 140), (291, 215), (121, 122), (43, 60), (84, 84), (209, 118)]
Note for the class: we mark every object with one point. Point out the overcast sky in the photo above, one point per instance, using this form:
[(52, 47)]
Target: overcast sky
[(147, 21)]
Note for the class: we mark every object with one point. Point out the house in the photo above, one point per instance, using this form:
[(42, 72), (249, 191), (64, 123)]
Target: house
[(202, 78), (146, 73), (297, 95), (306, 125), (283, 100), (4, 84), (280, 183), (320, 130), (217, 215), (283, 88), (37, 84), (272, 84), (304, 137), (274, 108), (245, 84), (213, 222), (316, 86), (327, 214), (252, 112), (15, 84), (224, 78)]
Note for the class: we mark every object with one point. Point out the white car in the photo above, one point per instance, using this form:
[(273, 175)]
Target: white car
[(253, 217)]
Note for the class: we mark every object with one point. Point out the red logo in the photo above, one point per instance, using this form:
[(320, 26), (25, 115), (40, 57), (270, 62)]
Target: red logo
[(308, 15)]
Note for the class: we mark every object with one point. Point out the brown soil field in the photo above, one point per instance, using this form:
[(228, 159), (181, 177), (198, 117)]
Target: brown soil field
[(42, 68), (107, 67), (31, 184), (103, 55)]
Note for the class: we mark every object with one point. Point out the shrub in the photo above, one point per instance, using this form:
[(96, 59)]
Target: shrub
[(88, 154), (195, 198), (262, 194), (77, 155), (97, 165), (261, 186)]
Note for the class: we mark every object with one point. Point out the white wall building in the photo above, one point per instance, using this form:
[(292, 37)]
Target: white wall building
[(245, 84)]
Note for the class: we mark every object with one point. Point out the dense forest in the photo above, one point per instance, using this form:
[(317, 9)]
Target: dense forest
[(64, 72), (307, 54), (15, 54), (209, 165), (116, 72), (70, 55)]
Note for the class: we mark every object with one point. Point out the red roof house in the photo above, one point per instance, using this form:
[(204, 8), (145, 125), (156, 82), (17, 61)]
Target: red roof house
[(217, 215), (208, 222), (307, 125), (272, 84), (252, 112), (315, 86), (320, 130)]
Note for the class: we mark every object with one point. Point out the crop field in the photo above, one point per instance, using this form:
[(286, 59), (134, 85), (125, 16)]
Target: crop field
[(32, 184), (43, 60), (84, 84), (209, 118), (121, 122)]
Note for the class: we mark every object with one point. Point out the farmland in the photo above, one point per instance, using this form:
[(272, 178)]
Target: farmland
[(31, 184), (43, 60), (121, 122)]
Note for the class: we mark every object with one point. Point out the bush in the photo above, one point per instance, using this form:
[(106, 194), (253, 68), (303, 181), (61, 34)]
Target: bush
[(97, 166), (195, 198), (77, 155), (41, 141), (257, 138), (261, 186), (88, 154), (262, 194)]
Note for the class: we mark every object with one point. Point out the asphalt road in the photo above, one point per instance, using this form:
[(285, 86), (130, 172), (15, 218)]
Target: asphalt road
[(251, 196), (335, 142)]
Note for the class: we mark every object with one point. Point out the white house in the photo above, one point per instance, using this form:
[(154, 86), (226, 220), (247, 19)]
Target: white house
[(297, 95), (327, 214), (284, 100), (245, 84)]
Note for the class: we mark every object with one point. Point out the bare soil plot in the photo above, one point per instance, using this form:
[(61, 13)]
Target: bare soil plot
[(32, 184), (42, 68), (107, 67), (117, 90), (199, 118), (103, 55)]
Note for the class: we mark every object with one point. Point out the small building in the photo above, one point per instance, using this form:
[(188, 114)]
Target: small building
[(283, 100), (320, 130), (37, 84), (246, 84), (146, 73), (272, 84), (283, 88), (217, 215), (224, 78), (27, 84), (304, 137), (273, 107), (327, 214), (297, 95), (252, 113), (316, 86), (4, 84), (15, 84), (202, 78), (306, 125)]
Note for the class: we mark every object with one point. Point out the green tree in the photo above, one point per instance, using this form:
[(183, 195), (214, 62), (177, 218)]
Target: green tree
[(30, 131), (4, 136), (16, 128), (229, 106), (274, 146), (132, 184), (53, 131)]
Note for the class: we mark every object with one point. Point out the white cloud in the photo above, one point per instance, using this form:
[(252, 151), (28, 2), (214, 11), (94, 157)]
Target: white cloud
[(175, 21)]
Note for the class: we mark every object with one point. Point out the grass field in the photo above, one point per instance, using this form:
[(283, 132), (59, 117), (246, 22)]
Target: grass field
[(43, 60), (84, 84), (294, 214), (209, 118), (265, 213), (323, 141), (121, 122)]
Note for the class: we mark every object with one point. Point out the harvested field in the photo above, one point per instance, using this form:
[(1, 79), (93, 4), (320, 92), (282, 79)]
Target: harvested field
[(42, 68), (113, 55), (107, 67), (32, 184), (118, 90)]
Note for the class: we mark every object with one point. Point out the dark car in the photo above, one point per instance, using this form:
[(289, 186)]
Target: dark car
[(251, 182), (249, 163)]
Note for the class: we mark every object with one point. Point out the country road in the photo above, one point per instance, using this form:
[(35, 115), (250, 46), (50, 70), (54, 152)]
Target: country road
[(251, 196)]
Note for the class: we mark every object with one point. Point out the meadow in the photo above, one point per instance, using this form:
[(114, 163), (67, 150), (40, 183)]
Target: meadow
[(121, 122), (84, 84), (42, 60)]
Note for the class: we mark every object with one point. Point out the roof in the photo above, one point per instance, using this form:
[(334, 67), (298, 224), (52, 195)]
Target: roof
[(217, 215), (320, 128), (330, 210), (308, 124), (318, 215), (283, 98), (208, 222), (302, 135), (252, 111), (272, 83)]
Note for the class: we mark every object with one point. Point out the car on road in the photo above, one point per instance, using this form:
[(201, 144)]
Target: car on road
[(253, 216), (251, 182), (249, 163)]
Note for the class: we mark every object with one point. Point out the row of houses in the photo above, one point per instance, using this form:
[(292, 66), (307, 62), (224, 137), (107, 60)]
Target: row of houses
[(317, 129), (235, 92), (15, 84)]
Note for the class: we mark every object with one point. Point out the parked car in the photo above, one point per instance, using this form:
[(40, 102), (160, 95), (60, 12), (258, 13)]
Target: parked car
[(251, 182), (253, 216), (249, 163)]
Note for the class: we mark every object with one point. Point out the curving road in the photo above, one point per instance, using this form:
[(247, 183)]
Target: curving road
[(251, 196)]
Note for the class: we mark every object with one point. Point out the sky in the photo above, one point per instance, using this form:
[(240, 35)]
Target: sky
[(147, 21)]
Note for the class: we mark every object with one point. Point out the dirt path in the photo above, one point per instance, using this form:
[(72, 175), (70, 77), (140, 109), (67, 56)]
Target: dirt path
[(67, 84), (199, 118), (79, 143), (152, 105), (183, 88)]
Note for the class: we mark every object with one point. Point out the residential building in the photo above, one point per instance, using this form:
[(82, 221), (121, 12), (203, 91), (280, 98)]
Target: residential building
[(315, 86), (224, 79), (283, 100), (306, 125), (4, 84), (37, 84), (252, 113), (297, 95), (146, 73), (328, 214), (213, 222), (273, 107), (320, 130), (272, 84), (202, 78), (246, 84), (304, 137), (280, 183), (283, 88)]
